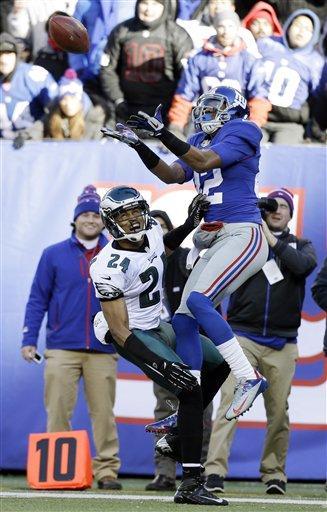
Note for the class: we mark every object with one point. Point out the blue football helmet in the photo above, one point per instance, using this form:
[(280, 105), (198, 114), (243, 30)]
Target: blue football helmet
[(218, 106), (119, 199)]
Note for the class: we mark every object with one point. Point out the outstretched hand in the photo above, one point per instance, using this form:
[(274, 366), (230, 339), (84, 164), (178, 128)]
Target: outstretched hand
[(197, 209), (122, 133), (142, 121)]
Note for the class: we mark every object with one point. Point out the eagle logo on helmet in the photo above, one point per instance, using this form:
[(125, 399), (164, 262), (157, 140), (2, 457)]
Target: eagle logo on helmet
[(217, 107), (119, 199)]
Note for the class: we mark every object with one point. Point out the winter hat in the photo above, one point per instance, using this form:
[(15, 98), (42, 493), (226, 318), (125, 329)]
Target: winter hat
[(8, 43), (70, 84), (226, 15), (285, 194), (164, 216), (88, 201)]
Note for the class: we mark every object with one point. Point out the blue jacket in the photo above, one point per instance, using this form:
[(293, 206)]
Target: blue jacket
[(31, 90), (99, 17), (63, 289)]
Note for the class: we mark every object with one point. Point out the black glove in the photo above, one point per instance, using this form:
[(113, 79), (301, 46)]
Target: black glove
[(19, 141), (197, 208), (177, 374), (121, 111)]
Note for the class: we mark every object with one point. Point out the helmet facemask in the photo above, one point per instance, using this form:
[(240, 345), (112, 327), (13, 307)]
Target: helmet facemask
[(214, 109), (137, 226), (210, 113)]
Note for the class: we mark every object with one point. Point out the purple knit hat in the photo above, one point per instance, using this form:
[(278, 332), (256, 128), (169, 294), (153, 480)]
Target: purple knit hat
[(285, 194), (88, 201)]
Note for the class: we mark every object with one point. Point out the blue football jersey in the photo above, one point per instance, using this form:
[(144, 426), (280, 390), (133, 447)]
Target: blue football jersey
[(284, 76), (231, 188)]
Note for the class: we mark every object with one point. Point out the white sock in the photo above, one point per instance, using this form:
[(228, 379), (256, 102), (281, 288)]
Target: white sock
[(233, 354), (197, 375)]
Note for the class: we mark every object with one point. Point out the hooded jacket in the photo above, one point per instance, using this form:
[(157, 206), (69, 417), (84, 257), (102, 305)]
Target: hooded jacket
[(255, 13), (63, 289), (288, 76), (144, 62)]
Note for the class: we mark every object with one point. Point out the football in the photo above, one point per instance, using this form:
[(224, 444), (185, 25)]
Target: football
[(69, 34)]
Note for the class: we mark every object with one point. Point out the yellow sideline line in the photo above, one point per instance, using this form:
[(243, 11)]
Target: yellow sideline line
[(133, 497)]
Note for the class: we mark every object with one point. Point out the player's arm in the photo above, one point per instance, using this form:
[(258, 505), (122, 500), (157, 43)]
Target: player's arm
[(116, 315), (201, 160), (167, 173)]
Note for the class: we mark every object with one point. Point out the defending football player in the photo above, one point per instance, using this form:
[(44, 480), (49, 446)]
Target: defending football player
[(127, 275), (222, 158)]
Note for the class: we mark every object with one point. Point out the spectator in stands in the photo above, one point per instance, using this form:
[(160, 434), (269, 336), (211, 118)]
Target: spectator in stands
[(290, 72), (284, 8), (27, 20), (72, 115), (51, 57), (99, 17), (319, 295), (200, 24), (265, 314), (222, 61), (26, 91), (144, 60), (262, 22), (176, 275), (63, 289)]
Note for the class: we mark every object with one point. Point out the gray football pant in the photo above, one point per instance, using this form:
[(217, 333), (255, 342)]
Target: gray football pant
[(238, 252)]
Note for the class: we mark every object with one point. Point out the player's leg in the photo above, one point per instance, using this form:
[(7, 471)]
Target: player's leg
[(240, 251), (186, 327), (189, 421)]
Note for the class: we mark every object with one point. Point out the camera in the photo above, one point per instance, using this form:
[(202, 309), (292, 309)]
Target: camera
[(267, 205)]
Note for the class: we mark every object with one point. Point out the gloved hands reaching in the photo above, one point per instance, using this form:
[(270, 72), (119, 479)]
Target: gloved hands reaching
[(122, 133), (142, 121)]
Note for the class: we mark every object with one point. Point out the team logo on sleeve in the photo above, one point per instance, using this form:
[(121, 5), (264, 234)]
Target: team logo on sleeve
[(108, 290)]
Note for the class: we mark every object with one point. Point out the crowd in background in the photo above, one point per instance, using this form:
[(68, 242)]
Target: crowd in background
[(147, 52)]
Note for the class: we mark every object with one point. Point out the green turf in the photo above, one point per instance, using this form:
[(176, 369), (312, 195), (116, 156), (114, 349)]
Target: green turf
[(136, 487)]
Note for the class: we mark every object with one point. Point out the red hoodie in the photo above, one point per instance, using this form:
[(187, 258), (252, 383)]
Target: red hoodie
[(262, 9)]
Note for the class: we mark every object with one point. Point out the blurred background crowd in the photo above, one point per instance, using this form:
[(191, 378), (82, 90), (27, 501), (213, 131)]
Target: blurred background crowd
[(147, 52)]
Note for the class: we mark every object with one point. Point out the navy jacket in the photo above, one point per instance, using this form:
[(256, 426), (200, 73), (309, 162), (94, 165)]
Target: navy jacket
[(63, 289)]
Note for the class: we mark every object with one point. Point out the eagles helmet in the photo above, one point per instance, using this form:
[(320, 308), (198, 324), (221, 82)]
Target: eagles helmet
[(117, 200), (218, 106)]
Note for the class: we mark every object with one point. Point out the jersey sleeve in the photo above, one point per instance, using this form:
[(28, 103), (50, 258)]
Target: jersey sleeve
[(109, 283), (239, 142)]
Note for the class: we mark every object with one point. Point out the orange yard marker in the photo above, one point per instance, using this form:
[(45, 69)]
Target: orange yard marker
[(59, 460)]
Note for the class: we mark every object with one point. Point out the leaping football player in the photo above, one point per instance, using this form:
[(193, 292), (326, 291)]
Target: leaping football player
[(222, 158), (127, 276)]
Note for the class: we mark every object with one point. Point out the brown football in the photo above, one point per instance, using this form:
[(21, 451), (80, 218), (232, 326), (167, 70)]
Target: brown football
[(69, 34)]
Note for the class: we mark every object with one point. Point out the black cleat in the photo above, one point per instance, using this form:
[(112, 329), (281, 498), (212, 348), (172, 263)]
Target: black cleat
[(193, 492), (214, 483), (276, 487), (161, 483)]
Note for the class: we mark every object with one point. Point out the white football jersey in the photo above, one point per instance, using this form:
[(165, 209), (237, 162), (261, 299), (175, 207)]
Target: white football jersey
[(135, 275)]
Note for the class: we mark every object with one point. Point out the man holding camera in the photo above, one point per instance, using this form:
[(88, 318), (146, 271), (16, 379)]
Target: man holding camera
[(265, 314)]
